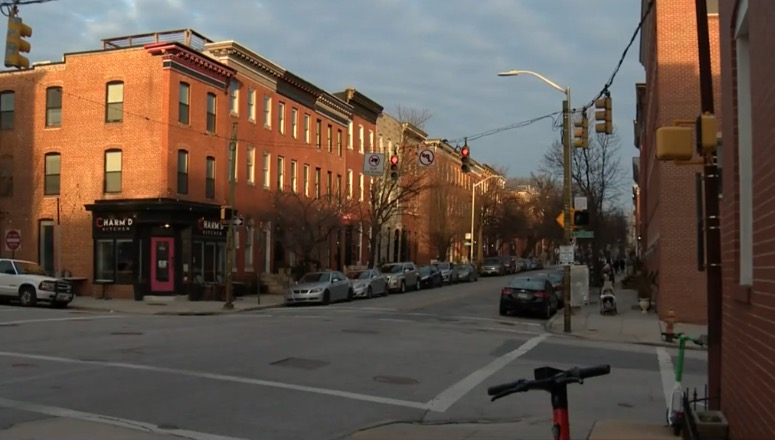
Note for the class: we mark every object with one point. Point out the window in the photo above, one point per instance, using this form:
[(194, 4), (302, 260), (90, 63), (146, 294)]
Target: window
[(7, 104), (293, 176), (350, 135), (54, 107), (250, 236), (267, 111), (349, 184), (329, 183), (182, 172), (339, 141), (113, 171), (280, 173), (318, 133), (360, 138), (234, 97), (6, 175), (46, 245), (114, 260), (744, 144), (251, 105), (317, 183), (114, 105), (339, 186), (211, 101), (251, 162), (266, 170), (330, 138), (53, 163), (294, 123), (371, 140), (233, 172), (210, 177), (306, 128), (281, 117), (361, 185), (184, 96), (305, 179)]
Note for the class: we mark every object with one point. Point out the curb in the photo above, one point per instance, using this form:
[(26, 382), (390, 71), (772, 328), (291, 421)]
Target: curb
[(180, 313), (626, 341)]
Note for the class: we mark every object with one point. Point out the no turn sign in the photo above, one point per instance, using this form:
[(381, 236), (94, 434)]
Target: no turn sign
[(426, 157), (13, 240)]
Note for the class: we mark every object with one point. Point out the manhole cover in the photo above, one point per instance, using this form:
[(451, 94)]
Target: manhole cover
[(304, 364), (396, 380), (360, 331), (126, 333), (23, 365)]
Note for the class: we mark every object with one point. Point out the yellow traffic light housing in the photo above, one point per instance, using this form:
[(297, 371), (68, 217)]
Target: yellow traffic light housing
[(15, 43), (707, 133), (581, 132), (674, 143), (603, 116)]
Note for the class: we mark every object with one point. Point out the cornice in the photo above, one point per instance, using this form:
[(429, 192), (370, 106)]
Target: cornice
[(234, 50), (183, 53)]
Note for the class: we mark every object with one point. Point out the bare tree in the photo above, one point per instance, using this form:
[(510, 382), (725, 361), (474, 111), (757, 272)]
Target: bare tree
[(543, 202), (446, 226), (416, 117)]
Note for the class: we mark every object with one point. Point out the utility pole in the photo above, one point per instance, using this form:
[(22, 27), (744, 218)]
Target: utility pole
[(567, 197), (229, 305)]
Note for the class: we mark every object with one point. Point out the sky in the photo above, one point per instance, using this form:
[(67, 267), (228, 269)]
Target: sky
[(438, 55)]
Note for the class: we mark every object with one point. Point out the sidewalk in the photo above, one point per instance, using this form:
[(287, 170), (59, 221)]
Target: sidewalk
[(629, 325), (175, 305)]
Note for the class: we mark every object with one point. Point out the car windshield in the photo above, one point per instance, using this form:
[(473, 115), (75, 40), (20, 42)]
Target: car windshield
[(492, 261), (316, 277), (363, 275), (27, 268), (392, 268), (443, 266), (527, 283), (425, 270)]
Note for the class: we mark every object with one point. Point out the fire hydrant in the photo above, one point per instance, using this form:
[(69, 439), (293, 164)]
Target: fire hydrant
[(669, 326)]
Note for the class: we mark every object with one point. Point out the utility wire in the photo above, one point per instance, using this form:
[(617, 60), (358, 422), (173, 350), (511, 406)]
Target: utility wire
[(501, 129), (6, 7)]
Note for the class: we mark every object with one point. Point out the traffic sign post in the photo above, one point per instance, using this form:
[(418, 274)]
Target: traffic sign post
[(374, 165), (567, 256), (426, 158), (236, 221), (13, 241)]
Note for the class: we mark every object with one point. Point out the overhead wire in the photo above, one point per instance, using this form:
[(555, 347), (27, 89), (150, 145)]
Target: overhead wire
[(6, 7)]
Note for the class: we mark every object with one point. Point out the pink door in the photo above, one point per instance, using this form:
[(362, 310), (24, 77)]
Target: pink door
[(162, 264)]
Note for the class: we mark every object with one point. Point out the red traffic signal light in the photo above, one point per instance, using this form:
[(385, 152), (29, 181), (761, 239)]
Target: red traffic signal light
[(465, 159), (465, 151), (394, 160)]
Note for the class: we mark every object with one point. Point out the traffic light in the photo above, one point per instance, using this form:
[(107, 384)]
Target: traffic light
[(580, 218), (15, 43), (465, 159), (604, 123), (394, 167), (581, 132)]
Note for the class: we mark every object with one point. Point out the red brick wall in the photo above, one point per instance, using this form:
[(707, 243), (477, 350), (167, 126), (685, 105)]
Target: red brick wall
[(748, 385)]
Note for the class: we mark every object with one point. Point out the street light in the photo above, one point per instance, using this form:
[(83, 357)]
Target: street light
[(567, 176), (473, 208)]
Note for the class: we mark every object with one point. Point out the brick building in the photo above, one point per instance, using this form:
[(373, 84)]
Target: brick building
[(115, 162), (668, 220), (747, 69)]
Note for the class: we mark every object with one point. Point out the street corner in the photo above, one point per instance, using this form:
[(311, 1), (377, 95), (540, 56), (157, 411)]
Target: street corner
[(471, 430)]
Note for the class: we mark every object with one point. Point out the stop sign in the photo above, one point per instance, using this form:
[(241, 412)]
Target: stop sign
[(13, 239)]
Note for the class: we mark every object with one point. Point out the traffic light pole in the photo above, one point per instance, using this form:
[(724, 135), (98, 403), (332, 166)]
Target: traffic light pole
[(567, 156), (229, 304)]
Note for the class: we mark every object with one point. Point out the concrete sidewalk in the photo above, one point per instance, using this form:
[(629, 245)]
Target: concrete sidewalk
[(175, 305), (630, 325)]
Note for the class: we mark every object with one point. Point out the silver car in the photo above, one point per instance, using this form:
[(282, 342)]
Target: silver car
[(367, 283), (493, 266), (320, 287), (401, 276)]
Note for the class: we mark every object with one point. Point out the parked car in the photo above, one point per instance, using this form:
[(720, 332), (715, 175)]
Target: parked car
[(534, 295), (493, 266), (29, 283), (466, 272), (430, 277), (556, 277), (401, 276), (448, 273), (320, 287), (509, 264), (367, 283)]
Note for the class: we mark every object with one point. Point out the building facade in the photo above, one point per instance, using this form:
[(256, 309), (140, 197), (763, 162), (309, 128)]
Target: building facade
[(116, 162), (748, 334), (668, 218)]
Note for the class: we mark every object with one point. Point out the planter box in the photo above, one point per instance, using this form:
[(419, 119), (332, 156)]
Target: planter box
[(711, 425)]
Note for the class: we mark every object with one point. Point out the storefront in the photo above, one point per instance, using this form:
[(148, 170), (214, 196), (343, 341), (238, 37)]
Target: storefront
[(156, 246)]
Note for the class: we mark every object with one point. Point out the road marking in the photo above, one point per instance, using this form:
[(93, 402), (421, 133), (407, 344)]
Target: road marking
[(371, 309), (55, 411), (396, 320), (667, 371), (224, 378), (420, 314), (451, 395), (83, 318)]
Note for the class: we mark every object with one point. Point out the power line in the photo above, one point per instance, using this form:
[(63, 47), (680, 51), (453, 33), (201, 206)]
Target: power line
[(505, 128), (7, 7)]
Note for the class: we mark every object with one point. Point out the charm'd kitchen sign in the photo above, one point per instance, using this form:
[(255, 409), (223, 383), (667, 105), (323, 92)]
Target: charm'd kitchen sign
[(119, 224), (210, 228)]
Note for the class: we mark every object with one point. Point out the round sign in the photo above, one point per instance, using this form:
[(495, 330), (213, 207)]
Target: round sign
[(13, 239), (427, 157), (374, 160)]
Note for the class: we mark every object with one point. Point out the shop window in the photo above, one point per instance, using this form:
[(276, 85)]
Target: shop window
[(52, 165), (114, 260), (208, 261), (114, 105), (113, 171), (54, 107), (46, 245), (182, 172)]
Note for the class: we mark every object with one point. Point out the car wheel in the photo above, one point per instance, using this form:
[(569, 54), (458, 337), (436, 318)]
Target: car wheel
[(350, 295), (326, 297), (548, 310), (503, 311), (27, 296), (403, 286), (418, 286), (369, 293)]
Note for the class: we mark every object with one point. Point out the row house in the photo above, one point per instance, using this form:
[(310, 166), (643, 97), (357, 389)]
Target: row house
[(668, 218), (115, 163)]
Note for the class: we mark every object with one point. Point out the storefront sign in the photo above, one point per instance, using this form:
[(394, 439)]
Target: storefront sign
[(105, 224), (210, 228)]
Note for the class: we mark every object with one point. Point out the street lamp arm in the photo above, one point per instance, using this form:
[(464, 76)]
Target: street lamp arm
[(535, 74), (488, 178)]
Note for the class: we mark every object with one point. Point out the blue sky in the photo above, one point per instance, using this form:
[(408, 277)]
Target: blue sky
[(439, 55)]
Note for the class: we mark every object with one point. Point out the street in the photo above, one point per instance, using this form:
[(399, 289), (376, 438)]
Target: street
[(309, 372)]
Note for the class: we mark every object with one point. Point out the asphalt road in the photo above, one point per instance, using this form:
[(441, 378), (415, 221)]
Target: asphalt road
[(314, 373)]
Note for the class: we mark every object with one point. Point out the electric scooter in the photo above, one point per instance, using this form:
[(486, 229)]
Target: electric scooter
[(555, 382), (675, 413)]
